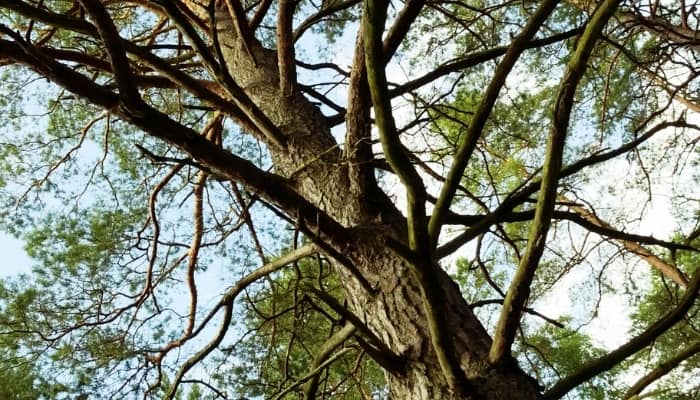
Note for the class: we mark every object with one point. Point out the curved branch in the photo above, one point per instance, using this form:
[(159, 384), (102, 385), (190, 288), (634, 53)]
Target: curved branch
[(663, 369), (379, 352), (476, 125), (519, 290), (606, 362), (327, 348), (324, 12), (202, 354)]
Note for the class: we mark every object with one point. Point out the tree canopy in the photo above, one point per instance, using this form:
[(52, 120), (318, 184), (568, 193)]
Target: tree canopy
[(350, 199)]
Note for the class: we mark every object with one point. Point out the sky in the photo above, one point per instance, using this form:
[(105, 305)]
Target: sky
[(658, 221), (15, 259)]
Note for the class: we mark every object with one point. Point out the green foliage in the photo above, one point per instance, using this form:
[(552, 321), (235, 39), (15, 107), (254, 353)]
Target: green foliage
[(111, 231), (285, 325), (554, 352), (657, 300)]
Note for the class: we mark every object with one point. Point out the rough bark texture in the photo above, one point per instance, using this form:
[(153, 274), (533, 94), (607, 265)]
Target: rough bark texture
[(321, 172)]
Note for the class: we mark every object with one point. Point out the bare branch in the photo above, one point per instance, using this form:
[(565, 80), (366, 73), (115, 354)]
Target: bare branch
[(519, 290), (608, 361), (662, 369), (631, 244), (468, 141)]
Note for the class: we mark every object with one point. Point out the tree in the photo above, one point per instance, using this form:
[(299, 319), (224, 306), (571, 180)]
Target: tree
[(509, 113)]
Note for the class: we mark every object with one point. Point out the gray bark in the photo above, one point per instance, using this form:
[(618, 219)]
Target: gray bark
[(320, 172)]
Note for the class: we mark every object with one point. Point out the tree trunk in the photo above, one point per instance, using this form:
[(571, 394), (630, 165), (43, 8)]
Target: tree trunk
[(319, 170)]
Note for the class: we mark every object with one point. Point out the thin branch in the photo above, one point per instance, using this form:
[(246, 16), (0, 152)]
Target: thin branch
[(324, 352), (474, 59), (631, 243), (203, 353), (519, 197), (325, 11), (230, 295), (313, 373), (528, 310), (384, 356)]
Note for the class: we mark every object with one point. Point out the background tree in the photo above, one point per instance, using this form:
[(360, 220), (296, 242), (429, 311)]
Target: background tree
[(221, 202)]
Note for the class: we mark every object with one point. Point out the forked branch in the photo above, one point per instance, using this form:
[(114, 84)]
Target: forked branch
[(476, 125), (519, 290)]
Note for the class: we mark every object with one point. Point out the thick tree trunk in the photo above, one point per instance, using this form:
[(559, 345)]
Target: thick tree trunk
[(317, 166)]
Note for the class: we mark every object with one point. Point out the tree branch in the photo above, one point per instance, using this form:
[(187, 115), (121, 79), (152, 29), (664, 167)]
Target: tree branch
[(422, 266), (327, 348), (631, 243), (608, 361), (663, 369), (478, 121), (240, 23), (313, 373), (517, 198), (402, 24), (474, 59), (519, 290), (117, 55), (285, 47)]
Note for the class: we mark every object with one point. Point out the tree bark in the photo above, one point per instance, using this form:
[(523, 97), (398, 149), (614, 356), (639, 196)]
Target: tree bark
[(320, 171)]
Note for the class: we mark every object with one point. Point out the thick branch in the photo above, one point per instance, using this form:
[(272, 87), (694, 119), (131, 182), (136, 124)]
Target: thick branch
[(519, 290), (401, 26), (117, 56), (422, 266), (608, 361), (476, 125), (663, 369), (240, 23), (395, 152), (285, 47)]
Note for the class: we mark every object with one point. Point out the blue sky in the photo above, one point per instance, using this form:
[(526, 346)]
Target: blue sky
[(14, 258)]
